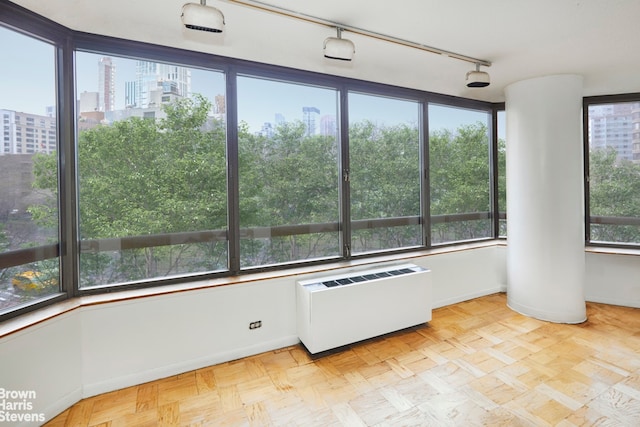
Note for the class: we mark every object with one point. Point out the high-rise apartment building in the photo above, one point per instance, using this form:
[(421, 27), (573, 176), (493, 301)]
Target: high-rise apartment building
[(26, 133), (106, 84), (309, 117), (131, 93), (89, 102), (152, 77), (610, 126), (328, 125), (635, 131)]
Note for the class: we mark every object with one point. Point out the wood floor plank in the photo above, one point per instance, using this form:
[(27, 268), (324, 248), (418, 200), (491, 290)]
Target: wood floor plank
[(169, 415), (477, 363), (80, 413)]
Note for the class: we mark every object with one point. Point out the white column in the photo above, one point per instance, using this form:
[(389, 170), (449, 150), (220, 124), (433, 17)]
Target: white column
[(545, 208)]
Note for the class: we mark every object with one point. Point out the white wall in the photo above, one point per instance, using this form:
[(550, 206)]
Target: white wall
[(104, 347), (144, 339), (613, 279), (464, 275), (46, 359)]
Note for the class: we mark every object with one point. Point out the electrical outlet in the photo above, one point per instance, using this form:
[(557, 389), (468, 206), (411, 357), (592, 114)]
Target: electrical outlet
[(255, 325)]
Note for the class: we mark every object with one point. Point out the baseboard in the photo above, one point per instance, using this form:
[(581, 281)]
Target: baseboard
[(186, 366), (613, 301), (466, 297), (58, 406)]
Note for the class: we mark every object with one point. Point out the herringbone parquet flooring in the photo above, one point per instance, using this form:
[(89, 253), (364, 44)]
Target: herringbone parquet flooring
[(476, 364)]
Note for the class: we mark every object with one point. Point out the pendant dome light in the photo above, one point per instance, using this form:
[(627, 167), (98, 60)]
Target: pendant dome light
[(202, 17), (477, 78), (339, 48)]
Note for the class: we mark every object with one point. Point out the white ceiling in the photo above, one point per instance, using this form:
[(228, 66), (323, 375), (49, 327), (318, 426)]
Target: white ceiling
[(598, 39)]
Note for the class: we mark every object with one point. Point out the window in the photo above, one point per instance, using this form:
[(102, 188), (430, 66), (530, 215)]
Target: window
[(164, 194), (459, 174), (288, 172), (613, 185), (29, 263), (152, 192), (384, 164), (502, 173)]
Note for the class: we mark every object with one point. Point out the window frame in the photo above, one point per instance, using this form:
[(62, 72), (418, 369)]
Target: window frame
[(67, 42), (590, 219), (29, 24), (492, 141)]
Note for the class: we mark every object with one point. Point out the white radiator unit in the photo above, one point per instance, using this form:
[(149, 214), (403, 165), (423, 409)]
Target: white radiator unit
[(341, 309)]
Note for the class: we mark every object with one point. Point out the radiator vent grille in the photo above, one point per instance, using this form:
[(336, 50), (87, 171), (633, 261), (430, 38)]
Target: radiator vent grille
[(366, 277)]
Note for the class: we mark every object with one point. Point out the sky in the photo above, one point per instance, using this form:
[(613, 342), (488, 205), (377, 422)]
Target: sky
[(27, 84)]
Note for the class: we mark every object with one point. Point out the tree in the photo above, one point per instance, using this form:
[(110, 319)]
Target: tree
[(614, 190), (288, 179), (459, 179), (140, 177), (143, 177), (385, 183)]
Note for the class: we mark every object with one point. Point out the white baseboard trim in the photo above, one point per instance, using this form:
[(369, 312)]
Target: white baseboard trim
[(57, 407), (185, 366), (613, 301), (466, 297)]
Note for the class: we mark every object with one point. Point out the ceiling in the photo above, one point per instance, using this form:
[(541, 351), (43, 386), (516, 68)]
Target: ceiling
[(523, 39)]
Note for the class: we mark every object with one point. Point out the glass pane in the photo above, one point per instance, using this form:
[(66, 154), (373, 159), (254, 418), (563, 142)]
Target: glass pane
[(152, 170), (29, 266), (384, 157), (502, 173), (459, 174), (614, 167), (288, 154)]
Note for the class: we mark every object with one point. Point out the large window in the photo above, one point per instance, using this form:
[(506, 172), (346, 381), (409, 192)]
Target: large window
[(614, 172), (151, 170), (288, 172), (29, 263), (384, 176), (125, 164), (459, 174)]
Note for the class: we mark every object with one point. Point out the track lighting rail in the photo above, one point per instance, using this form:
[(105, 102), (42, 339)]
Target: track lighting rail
[(255, 4)]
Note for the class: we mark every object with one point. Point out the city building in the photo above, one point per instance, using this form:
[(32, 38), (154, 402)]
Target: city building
[(131, 92), (152, 77), (106, 85), (89, 102), (611, 126), (267, 130), (635, 131), (328, 125), (309, 117), (27, 133)]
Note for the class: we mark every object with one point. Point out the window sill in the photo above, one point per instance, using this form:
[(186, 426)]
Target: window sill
[(612, 251), (27, 320)]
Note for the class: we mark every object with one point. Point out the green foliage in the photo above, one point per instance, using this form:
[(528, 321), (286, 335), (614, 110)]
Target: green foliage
[(385, 183), (287, 179), (160, 177), (142, 177), (459, 180), (614, 190)]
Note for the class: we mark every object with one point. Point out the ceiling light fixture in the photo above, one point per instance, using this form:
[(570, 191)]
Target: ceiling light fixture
[(477, 78), (339, 48), (202, 17)]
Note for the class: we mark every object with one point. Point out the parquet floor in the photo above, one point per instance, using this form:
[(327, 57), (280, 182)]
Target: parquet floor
[(476, 364)]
